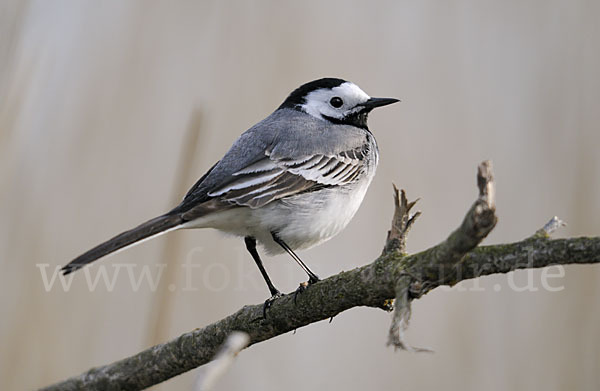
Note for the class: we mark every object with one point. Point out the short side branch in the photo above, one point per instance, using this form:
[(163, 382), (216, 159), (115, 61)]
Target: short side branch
[(477, 224), (401, 223)]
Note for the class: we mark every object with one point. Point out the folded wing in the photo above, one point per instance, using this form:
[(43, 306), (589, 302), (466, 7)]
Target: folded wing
[(269, 179)]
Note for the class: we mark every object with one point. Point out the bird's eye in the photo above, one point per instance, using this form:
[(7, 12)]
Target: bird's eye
[(336, 102)]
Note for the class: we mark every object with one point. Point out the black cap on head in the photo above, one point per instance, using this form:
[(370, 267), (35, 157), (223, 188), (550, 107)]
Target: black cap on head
[(297, 96)]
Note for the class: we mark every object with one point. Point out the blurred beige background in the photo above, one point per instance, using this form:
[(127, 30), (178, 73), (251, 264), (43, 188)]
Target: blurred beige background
[(110, 110)]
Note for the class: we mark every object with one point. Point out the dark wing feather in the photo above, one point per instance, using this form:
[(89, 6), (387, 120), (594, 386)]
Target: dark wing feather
[(198, 183), (270, 179)]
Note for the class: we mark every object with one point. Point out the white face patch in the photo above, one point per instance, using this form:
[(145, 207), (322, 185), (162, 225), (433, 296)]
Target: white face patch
[(318, 102)]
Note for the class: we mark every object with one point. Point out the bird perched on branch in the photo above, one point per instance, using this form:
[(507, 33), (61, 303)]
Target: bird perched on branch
[(292, 181)]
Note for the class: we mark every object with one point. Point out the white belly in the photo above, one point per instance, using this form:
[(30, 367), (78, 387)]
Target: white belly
[(301, 221)]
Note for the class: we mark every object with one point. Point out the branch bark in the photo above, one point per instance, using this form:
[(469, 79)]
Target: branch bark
[(477, 224), (392, 275)]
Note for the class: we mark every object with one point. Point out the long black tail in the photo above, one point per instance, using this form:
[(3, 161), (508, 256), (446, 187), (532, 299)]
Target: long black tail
[(143, 231)]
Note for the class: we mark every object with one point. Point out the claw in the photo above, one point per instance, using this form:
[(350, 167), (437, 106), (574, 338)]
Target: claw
[(269, 302), (304, 285), (301, 288)]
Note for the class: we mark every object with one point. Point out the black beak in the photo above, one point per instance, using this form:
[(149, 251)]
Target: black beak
[(378, 102)]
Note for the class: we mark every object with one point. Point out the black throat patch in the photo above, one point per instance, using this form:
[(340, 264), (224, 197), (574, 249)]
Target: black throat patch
[(358, 119)]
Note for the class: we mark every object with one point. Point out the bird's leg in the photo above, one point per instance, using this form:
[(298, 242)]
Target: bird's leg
[(312, 277), (275, 294)]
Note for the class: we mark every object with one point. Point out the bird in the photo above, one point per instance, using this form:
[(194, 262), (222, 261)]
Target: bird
[(292, 181)]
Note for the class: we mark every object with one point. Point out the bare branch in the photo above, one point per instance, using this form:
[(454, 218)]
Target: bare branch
[(401, 223), (392, 275), (476, 225), (551, 226)]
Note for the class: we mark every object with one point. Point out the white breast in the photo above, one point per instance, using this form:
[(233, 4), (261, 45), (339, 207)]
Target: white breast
[(308, 219), (302, 221)]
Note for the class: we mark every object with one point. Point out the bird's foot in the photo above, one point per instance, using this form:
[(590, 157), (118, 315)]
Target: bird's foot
[(267, 304), (304, 286)]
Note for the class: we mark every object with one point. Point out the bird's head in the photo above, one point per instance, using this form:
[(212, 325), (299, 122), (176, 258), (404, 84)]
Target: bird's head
[(335, 100)]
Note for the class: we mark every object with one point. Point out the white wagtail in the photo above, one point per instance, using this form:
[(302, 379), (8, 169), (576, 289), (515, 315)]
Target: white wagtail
[(292, 181)]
